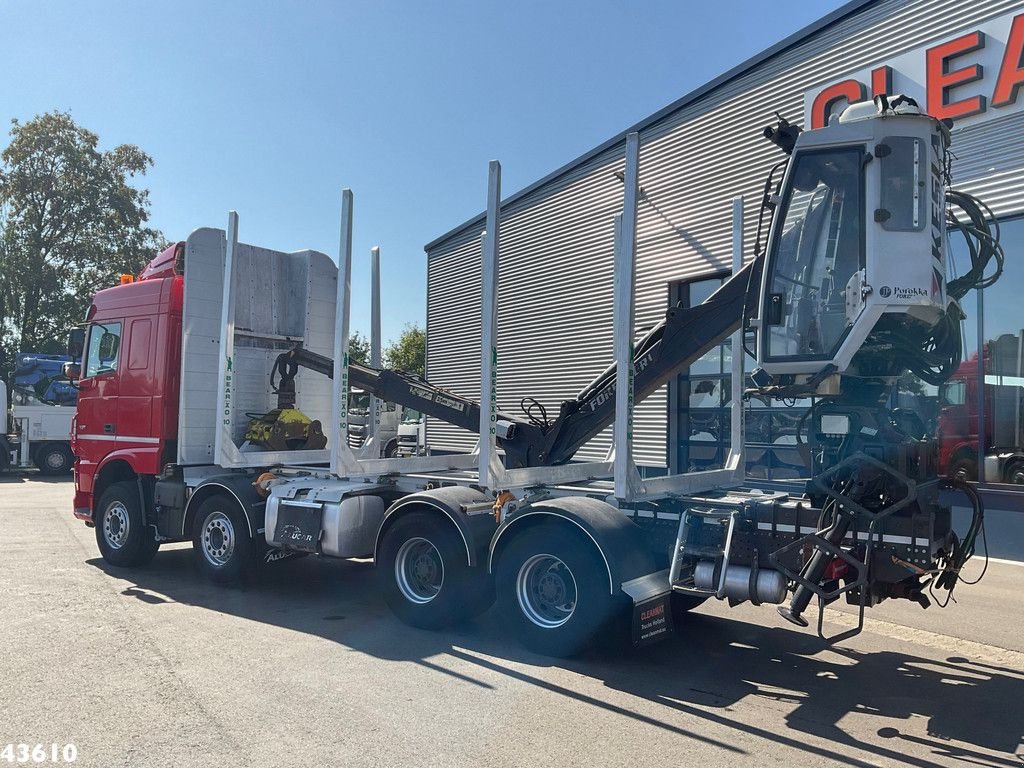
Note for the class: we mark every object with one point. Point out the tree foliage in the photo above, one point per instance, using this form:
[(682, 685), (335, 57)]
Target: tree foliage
[(70, 222), (358, 349), (409, 352)]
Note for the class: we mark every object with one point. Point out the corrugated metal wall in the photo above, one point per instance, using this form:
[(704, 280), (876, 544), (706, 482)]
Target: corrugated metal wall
[(555, 312)]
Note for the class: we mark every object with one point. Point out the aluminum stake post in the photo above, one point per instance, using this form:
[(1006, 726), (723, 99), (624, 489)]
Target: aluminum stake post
[(625, 271), (489, 329), (224, 435), (339, 406), (373, 431), (736, 459)]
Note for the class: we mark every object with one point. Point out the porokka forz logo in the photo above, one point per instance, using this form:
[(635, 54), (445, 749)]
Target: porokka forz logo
[(902, 293)]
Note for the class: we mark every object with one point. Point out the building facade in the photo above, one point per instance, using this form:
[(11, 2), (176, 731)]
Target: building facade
[(958, 59)]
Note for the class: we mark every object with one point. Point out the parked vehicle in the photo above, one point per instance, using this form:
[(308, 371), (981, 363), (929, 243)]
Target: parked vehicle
[(1003, 395), (42, 403), (389, 427), (411, 434)]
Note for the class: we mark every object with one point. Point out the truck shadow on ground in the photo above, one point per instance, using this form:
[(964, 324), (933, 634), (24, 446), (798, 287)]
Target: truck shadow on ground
[(973, 710)]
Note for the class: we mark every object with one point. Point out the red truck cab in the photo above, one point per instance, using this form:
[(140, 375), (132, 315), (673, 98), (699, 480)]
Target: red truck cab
[(127, 418)]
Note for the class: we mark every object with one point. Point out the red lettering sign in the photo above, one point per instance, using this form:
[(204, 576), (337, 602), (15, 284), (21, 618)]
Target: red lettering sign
[(941, 79), (851, 90), (881, 81), (1011, 72)]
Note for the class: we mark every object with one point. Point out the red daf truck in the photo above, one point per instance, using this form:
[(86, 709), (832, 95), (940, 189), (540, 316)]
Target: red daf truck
[(1003, 394), (145, 431)]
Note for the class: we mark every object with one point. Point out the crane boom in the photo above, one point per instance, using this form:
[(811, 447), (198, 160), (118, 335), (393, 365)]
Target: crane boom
[(682, 337)]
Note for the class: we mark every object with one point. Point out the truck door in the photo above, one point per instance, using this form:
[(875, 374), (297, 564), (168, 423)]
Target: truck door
[(98, 391), (136, 380)]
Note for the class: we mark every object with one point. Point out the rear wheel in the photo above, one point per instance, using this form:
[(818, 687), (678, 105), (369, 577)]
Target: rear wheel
[(553, 590), (124, 538), (221, 544), (425, 576), (964, 469), (54, 459), (1015, 472)]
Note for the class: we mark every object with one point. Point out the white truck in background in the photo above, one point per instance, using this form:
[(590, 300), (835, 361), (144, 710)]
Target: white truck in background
[(390, 425), (37, 431)]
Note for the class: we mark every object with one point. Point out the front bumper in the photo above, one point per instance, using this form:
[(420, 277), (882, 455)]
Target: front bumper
[(83, 506)]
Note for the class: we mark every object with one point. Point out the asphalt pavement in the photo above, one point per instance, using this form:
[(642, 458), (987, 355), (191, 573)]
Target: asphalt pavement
[(307, 667)]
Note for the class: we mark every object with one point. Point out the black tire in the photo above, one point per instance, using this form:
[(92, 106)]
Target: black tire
[(54, 459), (553, 593), (5, 454), (391, 449), (1014, 472), (124, 538), (424, 573), (964, 468), (221, 545)]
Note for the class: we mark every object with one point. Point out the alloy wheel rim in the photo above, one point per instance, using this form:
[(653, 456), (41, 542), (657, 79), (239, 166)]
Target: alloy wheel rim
[(546, 591), (218, 539), (419, 571)]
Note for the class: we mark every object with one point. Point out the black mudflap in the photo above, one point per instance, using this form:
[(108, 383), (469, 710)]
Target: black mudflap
[(652, 607), (298, 527), (652, 620)]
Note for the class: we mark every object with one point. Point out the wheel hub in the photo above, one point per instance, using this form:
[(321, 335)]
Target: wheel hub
[(218, 539), (546, 591), (419, 571), (116, 525)]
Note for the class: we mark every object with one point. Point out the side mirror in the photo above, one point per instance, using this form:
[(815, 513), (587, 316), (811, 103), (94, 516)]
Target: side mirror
[(72, 371), (109, 343), (76, 342)]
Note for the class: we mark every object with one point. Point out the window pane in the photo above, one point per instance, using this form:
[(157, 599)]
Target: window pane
[(817, 254), (103, 349), (902, 193)]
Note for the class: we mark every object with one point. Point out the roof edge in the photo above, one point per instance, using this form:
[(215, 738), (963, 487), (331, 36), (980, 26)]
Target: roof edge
[(783, 45)]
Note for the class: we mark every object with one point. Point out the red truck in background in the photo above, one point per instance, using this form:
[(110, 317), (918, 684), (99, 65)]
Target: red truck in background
[(1003, 414)]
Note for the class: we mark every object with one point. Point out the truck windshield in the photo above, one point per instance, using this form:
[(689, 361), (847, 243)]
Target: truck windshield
[(818, 252)]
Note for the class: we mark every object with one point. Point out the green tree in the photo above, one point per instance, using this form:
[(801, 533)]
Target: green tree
[(409, 352), (70, 222), (358, 349)]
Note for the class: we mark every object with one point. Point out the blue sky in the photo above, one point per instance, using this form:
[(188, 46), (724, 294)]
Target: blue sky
[(270, 108)]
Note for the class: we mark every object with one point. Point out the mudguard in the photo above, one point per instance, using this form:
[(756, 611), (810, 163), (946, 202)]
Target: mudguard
[(237, 485), (470, 510), (617, 538)]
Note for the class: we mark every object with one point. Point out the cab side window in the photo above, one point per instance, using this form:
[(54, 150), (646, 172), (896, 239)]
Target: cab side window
[(102, 351)]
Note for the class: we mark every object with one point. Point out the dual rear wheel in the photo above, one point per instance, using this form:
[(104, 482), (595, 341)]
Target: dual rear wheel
[(552, 586)]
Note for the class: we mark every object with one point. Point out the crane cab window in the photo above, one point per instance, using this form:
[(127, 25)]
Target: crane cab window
[(104, 344), (819, 249), (902, 194)]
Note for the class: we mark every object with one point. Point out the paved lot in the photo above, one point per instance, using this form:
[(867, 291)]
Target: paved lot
[(306, 667)]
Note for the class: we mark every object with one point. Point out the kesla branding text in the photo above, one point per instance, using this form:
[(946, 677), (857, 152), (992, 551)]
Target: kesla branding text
[(969, 77)]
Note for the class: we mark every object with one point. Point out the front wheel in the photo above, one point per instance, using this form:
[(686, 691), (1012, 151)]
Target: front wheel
[(553, 590), (424, 573), (122, 535), (221, 544)]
